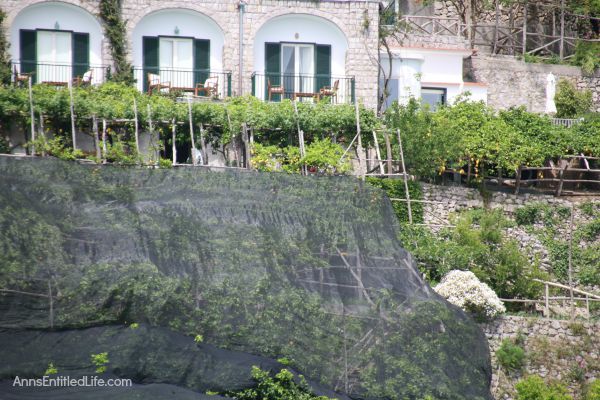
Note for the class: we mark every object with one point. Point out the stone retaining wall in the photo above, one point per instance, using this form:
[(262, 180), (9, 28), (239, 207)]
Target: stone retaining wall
[(527, 81), (556, 350)]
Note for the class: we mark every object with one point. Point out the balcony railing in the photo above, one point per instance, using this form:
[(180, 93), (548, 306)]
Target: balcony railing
[(58, 74), (303, 87), (198, 82)]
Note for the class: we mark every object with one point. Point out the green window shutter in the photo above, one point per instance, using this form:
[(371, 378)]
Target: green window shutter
[(201, 60), (28, 48), (81, 53), (150, 57), (272, 67), (322, 66)]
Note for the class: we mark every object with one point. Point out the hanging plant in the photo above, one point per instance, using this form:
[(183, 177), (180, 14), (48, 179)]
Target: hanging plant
[(114, 29)]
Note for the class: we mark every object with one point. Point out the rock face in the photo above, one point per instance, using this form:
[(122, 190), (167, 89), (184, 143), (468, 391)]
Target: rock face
[(305, 270)]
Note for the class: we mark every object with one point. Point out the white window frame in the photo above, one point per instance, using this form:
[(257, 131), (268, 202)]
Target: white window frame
[(52, 70), (297, 77)]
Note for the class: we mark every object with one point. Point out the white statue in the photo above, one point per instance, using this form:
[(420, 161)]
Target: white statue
[(550, 93)]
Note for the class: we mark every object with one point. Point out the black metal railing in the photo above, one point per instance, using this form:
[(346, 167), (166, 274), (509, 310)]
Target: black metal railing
[(304, 87), (58, 74), (199, 82)]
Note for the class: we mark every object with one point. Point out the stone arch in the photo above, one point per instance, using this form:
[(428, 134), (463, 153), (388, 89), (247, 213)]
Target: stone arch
[(24, 4), (176, 5), (260, 22)]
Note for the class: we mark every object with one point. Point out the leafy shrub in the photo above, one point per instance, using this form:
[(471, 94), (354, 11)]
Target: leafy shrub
[(100, 360), (587, 56), (280, 387), (593, 391), (394, 188), (570, 102), (534, 388), (165, 163), (4, 145), (527, 215), (463, 289), (510, 355), (55, 147), (322, 157)]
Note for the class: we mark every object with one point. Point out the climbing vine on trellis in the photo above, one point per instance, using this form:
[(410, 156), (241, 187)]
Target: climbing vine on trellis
[(4, 58), (114, 28)]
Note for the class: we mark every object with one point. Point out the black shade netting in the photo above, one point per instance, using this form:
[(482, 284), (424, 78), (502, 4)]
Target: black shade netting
[(304, 270)]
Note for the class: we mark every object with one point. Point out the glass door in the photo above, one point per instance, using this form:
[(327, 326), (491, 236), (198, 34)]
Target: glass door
[(297, 66), (177, 62), (54, 56)]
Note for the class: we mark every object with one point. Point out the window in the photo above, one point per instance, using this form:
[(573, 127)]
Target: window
[(433, 96), (54, 56), (183, 62), (297, 67)]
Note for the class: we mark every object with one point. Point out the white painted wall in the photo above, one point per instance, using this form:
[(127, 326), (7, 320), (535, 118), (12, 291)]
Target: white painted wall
[(308, 29), (413, 68), (69, 18), (190, 24)]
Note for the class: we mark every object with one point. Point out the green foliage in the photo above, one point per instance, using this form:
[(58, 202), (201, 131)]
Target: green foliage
[(587, 56), (100, 361), (282, 386), (511, 356), (5, 71), (528, 214), (4, 145), (55, 147), (165, 163), (570, 102), (115, 31), (394, 188), (475, 244), (51, 369), (322, 157), (534, 388), (593, 391), (198, 338), (470, 133)]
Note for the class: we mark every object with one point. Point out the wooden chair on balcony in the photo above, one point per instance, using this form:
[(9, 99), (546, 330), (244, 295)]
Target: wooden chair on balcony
[(271, 90), (154, 82), (210, 87), (21, 78), (85, 80), (330, 91)]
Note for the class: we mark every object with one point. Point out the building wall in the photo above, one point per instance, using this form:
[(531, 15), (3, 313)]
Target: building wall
[(527, 81), (357, 20), (347, 16), (70, 17)]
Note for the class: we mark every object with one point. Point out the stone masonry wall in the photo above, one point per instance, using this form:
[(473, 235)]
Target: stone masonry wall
[(556, 350), (527, 81), (349, 16)]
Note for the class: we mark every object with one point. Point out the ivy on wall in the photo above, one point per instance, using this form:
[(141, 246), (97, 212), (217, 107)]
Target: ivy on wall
[(4, 58), (114, 29)]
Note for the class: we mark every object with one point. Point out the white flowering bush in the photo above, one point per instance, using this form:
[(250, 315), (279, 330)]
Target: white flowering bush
[(463, 289)]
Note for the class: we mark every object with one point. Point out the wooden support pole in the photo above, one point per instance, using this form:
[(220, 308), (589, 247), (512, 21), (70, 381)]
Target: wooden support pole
[(547, 304), (96, 137), (203, 144), (359, 147), (137, 126), (173, 141), (571, 262), (410, 217), (192, 132), (518, 179), (378, 153), (31, 113), (104, 148), (562, 30), (72, 109), (300, 138), (51, 301), (561, 175), (388, 149), (42, 134), (524, 28)]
